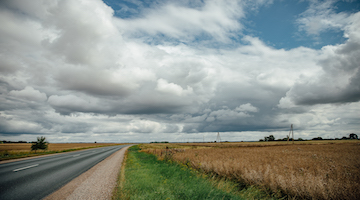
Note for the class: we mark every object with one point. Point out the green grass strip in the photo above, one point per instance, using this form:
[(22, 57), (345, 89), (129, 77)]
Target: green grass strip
[(146, 177)]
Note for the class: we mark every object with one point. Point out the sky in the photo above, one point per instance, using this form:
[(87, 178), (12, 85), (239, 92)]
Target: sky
[(178, 70)]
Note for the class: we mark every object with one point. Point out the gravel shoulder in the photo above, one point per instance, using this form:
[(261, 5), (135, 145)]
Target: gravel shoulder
[(96, 183)]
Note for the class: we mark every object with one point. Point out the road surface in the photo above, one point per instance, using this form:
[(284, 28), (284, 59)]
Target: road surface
[(36, 178)]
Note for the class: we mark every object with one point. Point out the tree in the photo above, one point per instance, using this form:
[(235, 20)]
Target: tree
[(317, 138), (41, 143), (353, 136), (270, 138)]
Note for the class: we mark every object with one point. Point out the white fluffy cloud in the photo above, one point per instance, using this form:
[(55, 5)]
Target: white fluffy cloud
[(73, 71), (172, 88), (338, 79), (28, 93), (247, 108), (215, 18), (320, 16)]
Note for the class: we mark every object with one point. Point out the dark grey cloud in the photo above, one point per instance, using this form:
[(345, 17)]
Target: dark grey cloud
[(93, 82), (339, 82), (76, 128)]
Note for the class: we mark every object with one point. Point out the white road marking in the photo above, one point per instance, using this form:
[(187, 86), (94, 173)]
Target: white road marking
[(15, 170), (76, 155)]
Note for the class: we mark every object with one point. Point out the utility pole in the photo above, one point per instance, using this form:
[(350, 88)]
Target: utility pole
[(218, 138), (291, 132)]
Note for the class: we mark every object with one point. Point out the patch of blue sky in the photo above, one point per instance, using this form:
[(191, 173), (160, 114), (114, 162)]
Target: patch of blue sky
[(275, 24), (126, 8), (329, 37), (133, 8), (347, 6)]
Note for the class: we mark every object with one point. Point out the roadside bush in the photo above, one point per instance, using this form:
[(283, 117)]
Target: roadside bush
[(41, 143)]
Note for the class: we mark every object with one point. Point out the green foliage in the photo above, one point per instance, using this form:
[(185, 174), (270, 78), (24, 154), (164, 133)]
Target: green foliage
[(270, 138), (160, 142), (146, 177), (317, 138), (353, 136), (41, 143)]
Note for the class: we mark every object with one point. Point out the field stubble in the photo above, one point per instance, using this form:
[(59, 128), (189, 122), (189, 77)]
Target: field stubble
[(304, 171), (19, 150)]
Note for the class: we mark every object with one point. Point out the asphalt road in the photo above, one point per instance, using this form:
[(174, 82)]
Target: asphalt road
[(38, 177)]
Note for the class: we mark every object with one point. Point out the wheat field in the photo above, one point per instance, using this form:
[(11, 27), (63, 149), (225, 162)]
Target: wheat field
[(307, 170), (19, 150), (51, 147)]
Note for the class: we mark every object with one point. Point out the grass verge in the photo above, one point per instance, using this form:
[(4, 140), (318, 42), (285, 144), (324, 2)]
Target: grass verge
[(143, 176)]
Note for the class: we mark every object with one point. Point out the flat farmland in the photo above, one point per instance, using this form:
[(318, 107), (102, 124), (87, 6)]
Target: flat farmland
[(18, 150), (304, 170)]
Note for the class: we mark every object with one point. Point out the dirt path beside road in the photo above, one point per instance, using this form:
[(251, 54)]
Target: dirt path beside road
[(96, 183)]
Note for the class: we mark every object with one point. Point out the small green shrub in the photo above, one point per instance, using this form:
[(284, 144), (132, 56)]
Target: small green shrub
[(41, 143)]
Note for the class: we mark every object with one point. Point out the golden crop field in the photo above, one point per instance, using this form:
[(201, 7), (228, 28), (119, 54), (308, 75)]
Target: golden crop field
[(310, 170), (19, 150), (52, 146)]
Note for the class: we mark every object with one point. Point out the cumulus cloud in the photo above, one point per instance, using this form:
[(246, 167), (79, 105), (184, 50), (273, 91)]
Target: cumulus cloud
[(227, 115), (320, 17), (217, 19), (18, 127), (144, 126), (71, 70), (67, 104), (338, 81), (29, 93), (81, 41), (171, 88), (247, 108)]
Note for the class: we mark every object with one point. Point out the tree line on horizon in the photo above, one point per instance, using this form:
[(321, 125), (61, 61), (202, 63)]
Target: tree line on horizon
[(352, 136)]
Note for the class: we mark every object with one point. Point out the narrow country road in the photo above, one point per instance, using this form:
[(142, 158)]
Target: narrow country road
[(38, 177)]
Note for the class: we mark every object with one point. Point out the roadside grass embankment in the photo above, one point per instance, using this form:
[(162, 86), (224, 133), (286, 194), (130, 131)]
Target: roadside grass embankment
[(306, 170), (22, 150), (144, 176)]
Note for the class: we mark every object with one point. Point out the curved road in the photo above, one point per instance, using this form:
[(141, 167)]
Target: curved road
[(38, 177)]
